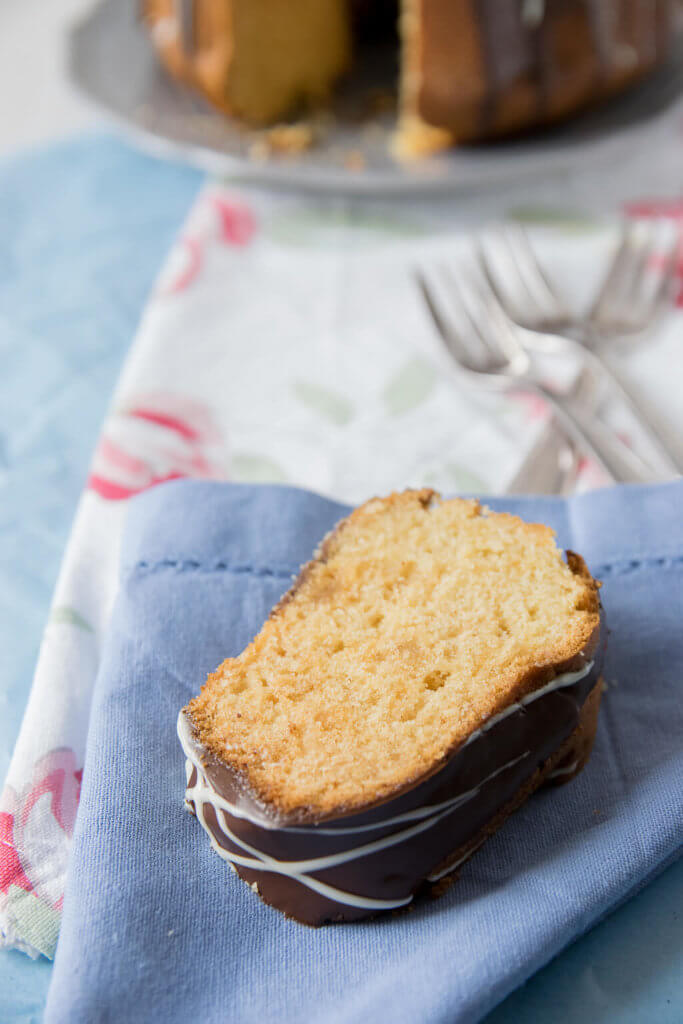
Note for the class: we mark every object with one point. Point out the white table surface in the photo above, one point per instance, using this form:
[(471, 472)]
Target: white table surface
[(37, 103)]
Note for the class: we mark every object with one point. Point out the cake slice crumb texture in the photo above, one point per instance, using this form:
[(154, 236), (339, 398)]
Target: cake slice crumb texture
[(418, 620)]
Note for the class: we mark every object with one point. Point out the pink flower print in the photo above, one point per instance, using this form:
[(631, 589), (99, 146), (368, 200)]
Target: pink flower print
[(237, 222), (590, 474), (220, 216), (535, 406), (11, 871), (188, 255), (36, 833), (670, 208), (153, 439)]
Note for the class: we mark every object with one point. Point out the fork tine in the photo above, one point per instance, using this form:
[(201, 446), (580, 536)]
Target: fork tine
[(506, 278), (496, 331), (535, 297), (662, 294), (631, 302), (642, 257), (444, 325), (484, 264), (620, 260), (621, 294), (496, 292), (471, 311), (494, 313), (529, 267)]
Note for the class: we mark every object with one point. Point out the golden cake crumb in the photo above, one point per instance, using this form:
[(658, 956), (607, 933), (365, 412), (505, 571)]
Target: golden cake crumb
[(287, 139), (418, 619)]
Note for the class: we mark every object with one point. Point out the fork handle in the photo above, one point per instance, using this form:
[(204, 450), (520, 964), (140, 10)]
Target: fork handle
[(550, 466), (593, 441), (589, 351)]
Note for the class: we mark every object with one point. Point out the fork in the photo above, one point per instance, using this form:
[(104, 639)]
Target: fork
[(485, 348), (629, 302), (552, 466)]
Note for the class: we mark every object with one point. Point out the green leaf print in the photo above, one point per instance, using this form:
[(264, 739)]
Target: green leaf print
[(410, 386), (465, 480), (64, 615), (34, 920), (304, 227), (252, 468), (334, 407), (455, 477), (572, 221)]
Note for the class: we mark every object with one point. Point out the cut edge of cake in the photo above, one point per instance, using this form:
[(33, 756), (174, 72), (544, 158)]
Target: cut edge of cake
[(253, 62)]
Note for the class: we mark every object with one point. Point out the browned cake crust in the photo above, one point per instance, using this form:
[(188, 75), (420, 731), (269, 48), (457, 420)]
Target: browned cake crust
[(328, 833), (481, 68)]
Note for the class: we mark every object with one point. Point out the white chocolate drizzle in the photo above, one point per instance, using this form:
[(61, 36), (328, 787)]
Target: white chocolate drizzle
[(533, 13), (301, 870), (559, 772), (566, 679), (203, 793), (456, 863)]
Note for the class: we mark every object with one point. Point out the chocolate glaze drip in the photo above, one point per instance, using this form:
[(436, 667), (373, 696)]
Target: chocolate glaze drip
[(382, 856), (536, 69), (510, 51)]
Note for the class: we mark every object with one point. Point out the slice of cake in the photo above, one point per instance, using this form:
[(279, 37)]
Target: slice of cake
[(430, 668)]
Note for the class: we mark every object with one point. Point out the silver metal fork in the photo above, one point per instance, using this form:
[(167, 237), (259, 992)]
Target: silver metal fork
[(631, 299), (637, 287), (486, 350)]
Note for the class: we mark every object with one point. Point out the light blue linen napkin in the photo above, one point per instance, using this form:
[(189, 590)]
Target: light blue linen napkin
[(155, 927)]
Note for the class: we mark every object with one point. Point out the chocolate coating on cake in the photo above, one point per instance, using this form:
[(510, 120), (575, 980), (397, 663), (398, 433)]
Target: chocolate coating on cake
[(317, 869), (522, 63)]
